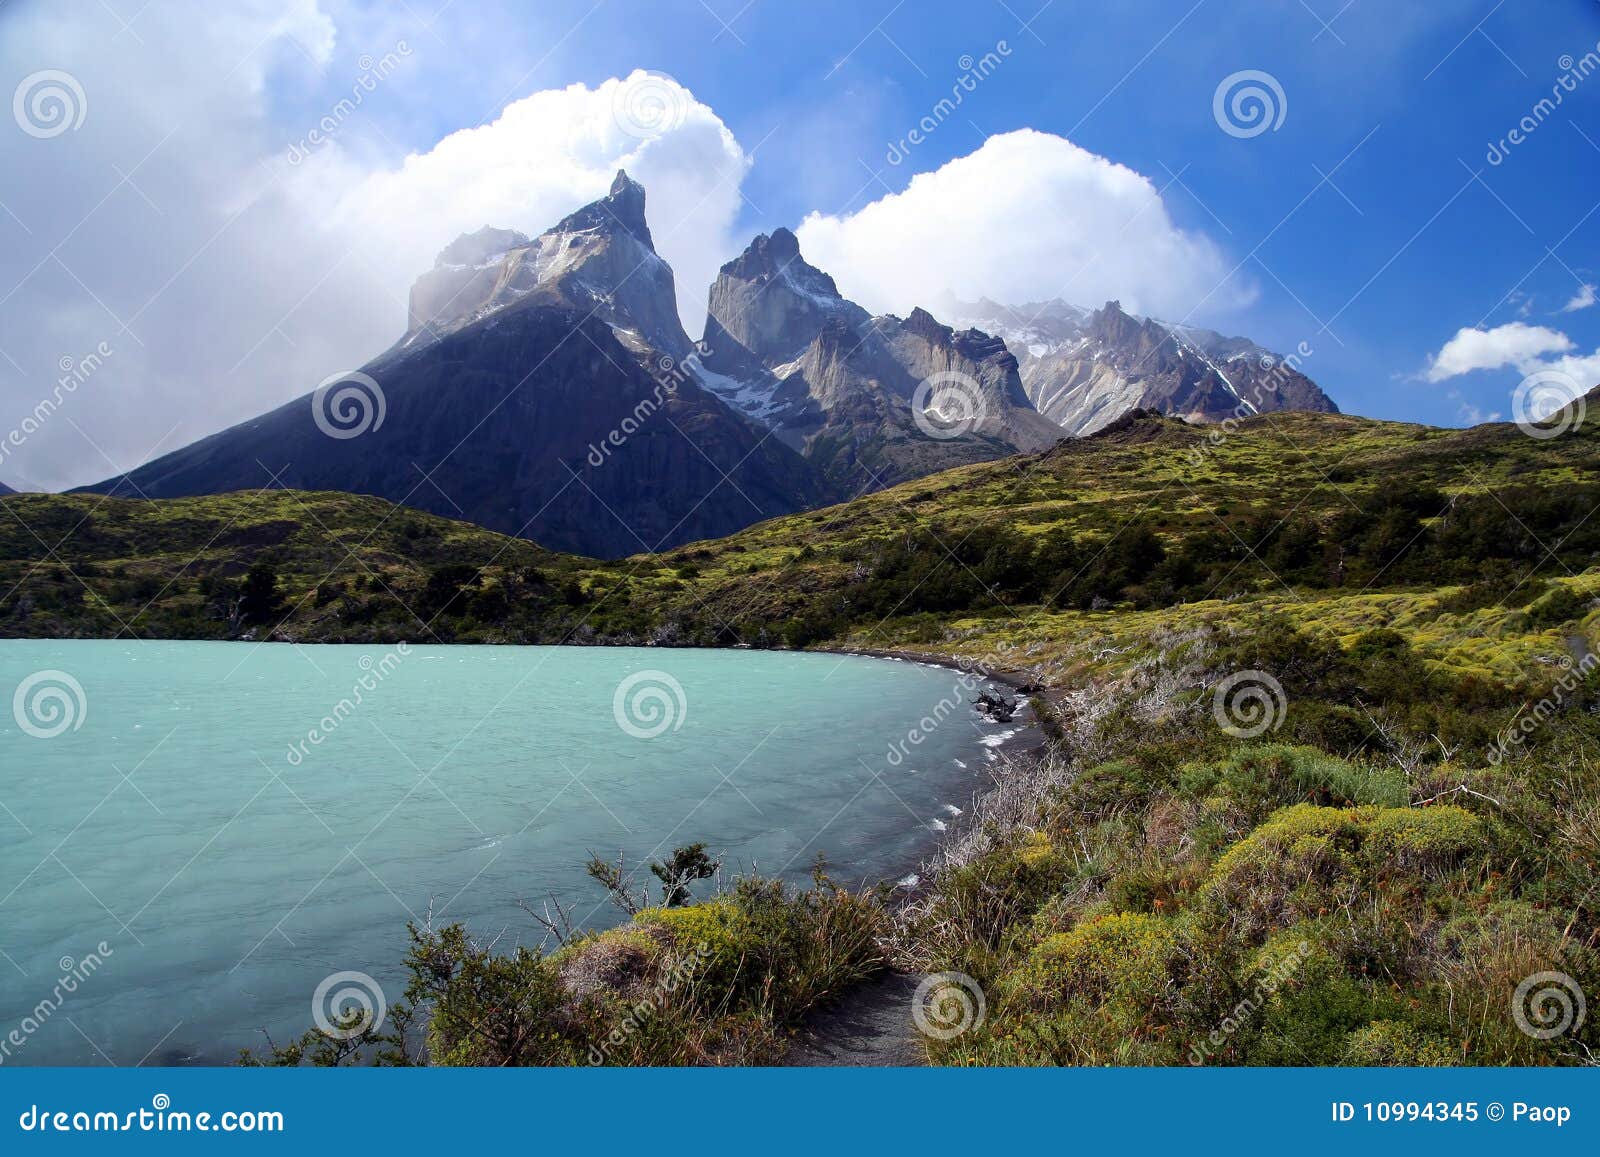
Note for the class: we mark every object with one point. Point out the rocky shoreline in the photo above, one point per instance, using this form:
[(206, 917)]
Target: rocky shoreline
[(1021, 682), (872, 1024)]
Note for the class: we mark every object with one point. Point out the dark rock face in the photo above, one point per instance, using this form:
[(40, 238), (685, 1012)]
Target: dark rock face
[(1083, 370), (842, 387), (540, 387)]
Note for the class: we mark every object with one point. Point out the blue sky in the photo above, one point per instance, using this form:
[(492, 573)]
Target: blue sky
[(1369, 224)]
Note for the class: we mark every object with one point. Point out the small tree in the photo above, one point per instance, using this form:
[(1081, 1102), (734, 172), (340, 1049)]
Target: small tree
[(446, 585), (259, 597), (686, 865)]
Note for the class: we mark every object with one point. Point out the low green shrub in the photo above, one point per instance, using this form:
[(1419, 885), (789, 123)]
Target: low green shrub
[(1265, 776), (1390, 1042)]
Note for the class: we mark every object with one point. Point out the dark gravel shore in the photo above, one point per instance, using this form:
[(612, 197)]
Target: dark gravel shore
[(1016, 680)]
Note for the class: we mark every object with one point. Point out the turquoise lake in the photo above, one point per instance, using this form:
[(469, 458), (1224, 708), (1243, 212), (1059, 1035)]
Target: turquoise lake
[(198, 834)]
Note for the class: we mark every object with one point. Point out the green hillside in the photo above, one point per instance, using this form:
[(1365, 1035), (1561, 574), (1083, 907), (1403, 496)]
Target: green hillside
[(1151, 514)]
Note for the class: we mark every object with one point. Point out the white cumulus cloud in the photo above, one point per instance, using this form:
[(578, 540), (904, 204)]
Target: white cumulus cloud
[(1513, 344), (1027, 217), (548, 154)]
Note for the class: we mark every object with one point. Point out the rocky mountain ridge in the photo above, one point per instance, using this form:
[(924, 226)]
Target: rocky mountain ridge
[(872, 400), (1084, 369)]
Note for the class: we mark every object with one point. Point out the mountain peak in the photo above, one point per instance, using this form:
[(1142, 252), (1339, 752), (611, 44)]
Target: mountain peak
[(923, 322), (626, 200), (768, 304), (622, 205), (478, 248), (599, 258), (783, 244), (1112, 323), (778, 252)]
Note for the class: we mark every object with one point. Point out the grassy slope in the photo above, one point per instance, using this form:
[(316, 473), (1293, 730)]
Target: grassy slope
[(1177, 475), (83, 565)]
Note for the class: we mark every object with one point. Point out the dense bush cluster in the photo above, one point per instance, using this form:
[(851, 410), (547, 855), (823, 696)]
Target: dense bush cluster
[(1404, 537), (712, 983)]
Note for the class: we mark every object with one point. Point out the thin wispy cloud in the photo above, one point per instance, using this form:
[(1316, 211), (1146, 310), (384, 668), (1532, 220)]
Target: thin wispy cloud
[(1583, 299)]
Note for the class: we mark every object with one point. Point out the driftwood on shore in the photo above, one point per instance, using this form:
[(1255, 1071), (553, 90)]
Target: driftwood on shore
[(995, 707)]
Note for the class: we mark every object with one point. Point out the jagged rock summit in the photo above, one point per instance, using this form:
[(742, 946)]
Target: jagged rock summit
[(847, 389), (600, 258), (1083, 369), (545, 387)]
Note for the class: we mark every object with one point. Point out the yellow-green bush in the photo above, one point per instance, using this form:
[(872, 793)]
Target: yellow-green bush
[(1424, 838), (1121, 962), (980, 904), (1281, 872), (716, 930), (1391, 1042), (1303, 860)]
